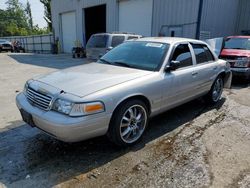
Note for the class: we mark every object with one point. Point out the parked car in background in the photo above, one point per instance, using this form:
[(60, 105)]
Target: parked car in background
[(17, 47), (118, 94), (236, 50), (6, 46), (100, 44)]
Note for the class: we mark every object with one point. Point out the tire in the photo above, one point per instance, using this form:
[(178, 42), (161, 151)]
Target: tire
[(128, 123), (215, 92)]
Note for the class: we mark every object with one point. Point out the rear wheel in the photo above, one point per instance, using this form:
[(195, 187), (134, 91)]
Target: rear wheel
[(128, 123), (216, 90)]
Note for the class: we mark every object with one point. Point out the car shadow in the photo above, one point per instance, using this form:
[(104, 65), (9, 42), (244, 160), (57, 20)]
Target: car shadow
[(25, 151), (60, 61), (239, 83)]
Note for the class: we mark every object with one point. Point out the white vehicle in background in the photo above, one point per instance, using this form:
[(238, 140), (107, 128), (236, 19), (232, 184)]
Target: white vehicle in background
[(99, 44)]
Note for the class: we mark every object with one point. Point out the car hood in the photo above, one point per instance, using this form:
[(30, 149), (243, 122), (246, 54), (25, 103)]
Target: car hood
[(235, 52), (90, 78)]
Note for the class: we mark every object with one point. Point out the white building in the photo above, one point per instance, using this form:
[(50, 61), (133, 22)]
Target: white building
[(77, 20)]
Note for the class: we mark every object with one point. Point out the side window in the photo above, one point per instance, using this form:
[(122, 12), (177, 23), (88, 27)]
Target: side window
[(202, 53), (183, 54), (132, 37), (116, 40), (210, 56)]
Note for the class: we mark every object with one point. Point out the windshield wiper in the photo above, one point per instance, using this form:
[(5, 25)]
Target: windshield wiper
[(105, 61), (122, 64), (116, 63)]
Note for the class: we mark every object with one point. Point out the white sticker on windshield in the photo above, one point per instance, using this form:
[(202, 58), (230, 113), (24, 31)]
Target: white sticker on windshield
[(155, 45)]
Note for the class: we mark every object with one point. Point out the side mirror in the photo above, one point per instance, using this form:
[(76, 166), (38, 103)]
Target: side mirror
[(172, 66)]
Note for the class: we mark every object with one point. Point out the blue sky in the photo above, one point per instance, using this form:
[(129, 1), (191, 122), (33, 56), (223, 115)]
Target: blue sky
[(36, 8)]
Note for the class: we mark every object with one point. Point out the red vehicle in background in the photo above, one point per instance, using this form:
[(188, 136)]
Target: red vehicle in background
[(236, 50)]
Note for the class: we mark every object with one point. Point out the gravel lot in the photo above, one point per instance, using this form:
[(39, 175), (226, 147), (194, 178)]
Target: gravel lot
[(194, 145)]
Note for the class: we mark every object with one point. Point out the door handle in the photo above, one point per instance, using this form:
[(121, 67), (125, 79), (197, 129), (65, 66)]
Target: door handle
[(194, 73)]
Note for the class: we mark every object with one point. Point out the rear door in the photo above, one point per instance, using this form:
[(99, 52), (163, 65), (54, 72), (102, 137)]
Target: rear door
[(205, 67)]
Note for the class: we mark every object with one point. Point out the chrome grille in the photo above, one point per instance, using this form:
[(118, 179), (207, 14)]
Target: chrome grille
[(38, 99)]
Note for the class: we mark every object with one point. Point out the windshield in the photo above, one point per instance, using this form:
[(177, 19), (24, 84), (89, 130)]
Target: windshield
[(137, 54), (97, 41), (237, 43)]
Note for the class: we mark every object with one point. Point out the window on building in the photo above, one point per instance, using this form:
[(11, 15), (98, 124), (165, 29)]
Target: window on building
[(202, 53), (116, 40), (182, 53)]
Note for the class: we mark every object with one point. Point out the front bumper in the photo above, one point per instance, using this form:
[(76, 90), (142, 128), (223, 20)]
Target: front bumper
[(241, 72), (63, 127)]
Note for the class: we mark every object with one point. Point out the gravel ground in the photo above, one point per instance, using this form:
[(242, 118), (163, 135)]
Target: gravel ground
[(194, 145)]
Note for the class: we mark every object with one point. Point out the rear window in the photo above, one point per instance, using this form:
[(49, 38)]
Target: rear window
[(237, 43), (116, 40), (97, 41)]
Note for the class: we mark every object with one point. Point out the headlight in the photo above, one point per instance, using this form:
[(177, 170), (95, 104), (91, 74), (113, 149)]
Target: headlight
[(78, 109), (242, 62), (62, 106)]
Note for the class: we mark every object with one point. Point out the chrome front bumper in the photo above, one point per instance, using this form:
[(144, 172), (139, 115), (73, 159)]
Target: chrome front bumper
[(63, 127)]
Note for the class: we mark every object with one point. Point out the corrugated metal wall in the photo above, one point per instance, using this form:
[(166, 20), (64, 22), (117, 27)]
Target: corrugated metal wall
[(244, 16), (175, 13), (219, 17), (58, 7)]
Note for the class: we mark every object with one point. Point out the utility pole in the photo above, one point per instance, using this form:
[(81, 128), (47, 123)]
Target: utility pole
[(199, 19)]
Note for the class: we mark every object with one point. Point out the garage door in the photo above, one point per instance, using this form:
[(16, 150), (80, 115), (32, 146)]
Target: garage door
[(68, 31), (136, 16)]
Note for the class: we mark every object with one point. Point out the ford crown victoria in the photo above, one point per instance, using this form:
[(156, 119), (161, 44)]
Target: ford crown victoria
[(118, 94)]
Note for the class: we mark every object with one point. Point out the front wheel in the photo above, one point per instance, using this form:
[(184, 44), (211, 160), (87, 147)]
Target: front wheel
[(128, 123), (216, 90)]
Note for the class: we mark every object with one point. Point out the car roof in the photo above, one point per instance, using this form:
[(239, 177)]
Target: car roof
[(169, 40)]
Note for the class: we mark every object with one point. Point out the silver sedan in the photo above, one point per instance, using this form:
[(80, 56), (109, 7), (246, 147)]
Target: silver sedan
[(120, 92)]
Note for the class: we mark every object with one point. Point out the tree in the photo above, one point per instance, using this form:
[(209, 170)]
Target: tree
[(17, 20), (29, 15), (47, 13), (16, 14)]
